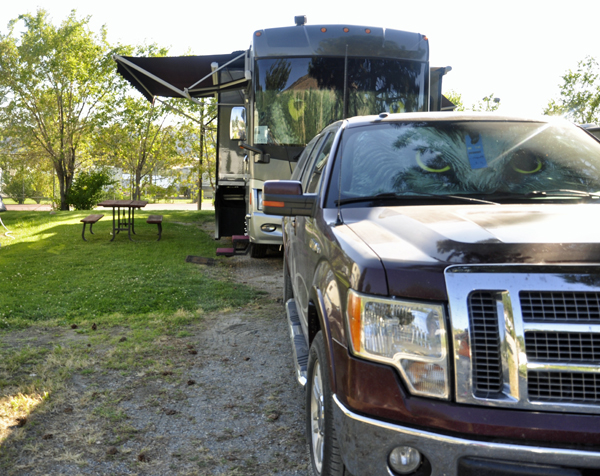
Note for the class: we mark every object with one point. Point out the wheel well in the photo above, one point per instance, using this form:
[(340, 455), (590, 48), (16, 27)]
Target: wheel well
[(314, 323)]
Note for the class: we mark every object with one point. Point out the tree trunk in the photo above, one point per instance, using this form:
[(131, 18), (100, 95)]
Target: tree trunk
[(65, 170)]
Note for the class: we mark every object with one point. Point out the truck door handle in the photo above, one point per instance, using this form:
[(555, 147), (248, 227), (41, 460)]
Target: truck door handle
[(313, 245)]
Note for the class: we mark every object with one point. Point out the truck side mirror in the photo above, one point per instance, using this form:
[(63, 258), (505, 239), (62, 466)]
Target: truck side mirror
[(285, 198), (237, 124)]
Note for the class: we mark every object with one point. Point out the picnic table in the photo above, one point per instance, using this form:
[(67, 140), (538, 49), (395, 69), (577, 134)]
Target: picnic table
[(123, 214)]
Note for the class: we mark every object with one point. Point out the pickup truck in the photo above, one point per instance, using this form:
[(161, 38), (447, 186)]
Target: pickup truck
[(442, 288)]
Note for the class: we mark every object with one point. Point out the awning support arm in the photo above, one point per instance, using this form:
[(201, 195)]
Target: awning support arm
[(127, 63), (215, 71)]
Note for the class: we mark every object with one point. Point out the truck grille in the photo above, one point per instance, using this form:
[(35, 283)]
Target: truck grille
[(562, 346), (485, 345), (537, 349), (560, 306), (564, 387)]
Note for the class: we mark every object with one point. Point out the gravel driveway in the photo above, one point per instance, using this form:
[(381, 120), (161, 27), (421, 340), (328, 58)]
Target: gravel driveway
[(224, 402)]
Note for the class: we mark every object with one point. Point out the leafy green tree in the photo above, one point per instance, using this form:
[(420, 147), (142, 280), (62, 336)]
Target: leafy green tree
[(487, 104), (140, 137), (579, 98), (137, 140), (19, 185), (25, 173), (55, 84), (456, 99), (196, 144)]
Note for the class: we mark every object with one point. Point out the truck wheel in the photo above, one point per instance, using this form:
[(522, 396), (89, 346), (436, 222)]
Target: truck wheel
[(258, 251), (325, 457), (288, 292)]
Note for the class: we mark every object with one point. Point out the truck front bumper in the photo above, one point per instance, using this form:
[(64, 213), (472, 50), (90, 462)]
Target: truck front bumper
[(366, 444)]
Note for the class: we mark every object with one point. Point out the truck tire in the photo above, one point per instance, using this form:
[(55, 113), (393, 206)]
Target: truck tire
[(288, 292), (323, 447), (258, 251)]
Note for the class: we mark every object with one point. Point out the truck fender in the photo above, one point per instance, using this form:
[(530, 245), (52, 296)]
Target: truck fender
[(325, 328)]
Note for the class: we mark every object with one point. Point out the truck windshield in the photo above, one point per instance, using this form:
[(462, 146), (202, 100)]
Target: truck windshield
[(297, 97), (476, 159)]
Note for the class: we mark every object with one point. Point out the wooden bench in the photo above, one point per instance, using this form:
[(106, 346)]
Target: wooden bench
[(156, 219), (91, 219)]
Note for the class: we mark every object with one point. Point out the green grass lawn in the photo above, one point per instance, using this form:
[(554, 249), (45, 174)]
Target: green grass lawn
[(28, 201), (49, 275)]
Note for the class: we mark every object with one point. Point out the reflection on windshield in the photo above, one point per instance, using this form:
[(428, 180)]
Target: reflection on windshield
[(297, 97), (480, 158)]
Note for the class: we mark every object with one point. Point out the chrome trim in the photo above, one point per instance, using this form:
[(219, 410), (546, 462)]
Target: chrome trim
[(367, 443), (560, 327), (508, 346), (299, 345), (553, 367), (505, 283)]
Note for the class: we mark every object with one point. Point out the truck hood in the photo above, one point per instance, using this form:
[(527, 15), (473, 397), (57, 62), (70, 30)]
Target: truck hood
[(416, 243), (480, 233)]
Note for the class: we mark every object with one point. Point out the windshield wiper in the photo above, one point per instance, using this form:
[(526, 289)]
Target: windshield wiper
[(412, 196), (521, 197), (562, 192)]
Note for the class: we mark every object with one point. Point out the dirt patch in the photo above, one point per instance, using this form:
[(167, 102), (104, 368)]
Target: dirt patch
[(221, 400)]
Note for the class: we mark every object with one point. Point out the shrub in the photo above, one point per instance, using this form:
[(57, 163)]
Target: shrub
[(86, 191)]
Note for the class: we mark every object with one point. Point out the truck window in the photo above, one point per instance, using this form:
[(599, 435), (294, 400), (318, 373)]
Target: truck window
[(303, 160), (318, 168), (311, 159), (440, 158)]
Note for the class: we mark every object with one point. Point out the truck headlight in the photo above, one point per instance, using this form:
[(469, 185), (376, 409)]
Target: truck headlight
[(409, 335)]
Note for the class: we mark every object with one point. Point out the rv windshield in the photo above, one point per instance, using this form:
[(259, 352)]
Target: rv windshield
[(298, 97)]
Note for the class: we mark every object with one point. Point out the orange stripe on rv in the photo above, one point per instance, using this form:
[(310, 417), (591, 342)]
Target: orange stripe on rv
[(274, 204)]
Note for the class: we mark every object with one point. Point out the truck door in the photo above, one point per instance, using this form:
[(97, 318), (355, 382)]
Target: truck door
[(308, 239)]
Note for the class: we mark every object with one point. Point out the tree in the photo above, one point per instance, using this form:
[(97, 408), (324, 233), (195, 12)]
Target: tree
[(197, 141), (487, 104), (55, 83), (140, 137), (25, 173), (137, 140), (456, 99), (579, 94)]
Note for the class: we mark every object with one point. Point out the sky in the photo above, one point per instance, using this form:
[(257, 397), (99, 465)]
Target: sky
[(517, 50)]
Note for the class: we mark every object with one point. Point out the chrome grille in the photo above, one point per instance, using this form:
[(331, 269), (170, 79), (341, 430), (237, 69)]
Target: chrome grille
[(485, 345), (564, 387), (562, 346), (533, 335), (539, 306)]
